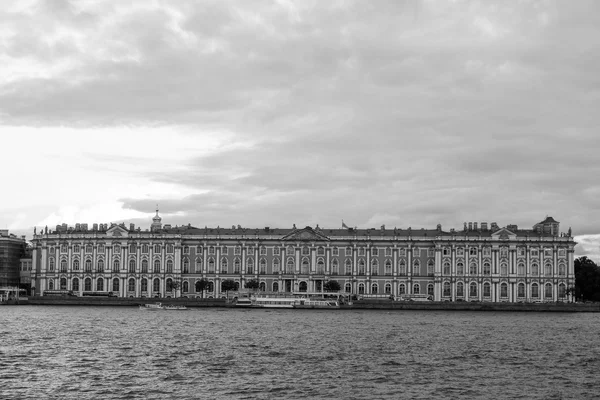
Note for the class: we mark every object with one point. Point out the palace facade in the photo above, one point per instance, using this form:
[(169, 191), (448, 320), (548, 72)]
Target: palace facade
[(475, 263)]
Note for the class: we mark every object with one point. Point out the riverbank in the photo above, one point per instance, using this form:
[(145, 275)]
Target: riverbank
[(356, 305)]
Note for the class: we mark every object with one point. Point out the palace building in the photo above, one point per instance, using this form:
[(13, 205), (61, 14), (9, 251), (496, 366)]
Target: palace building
[(478, 262)]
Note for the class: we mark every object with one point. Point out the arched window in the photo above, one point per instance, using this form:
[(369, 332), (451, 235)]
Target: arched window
[(145, 266), (63, 266), (262, 286), (535, 290), (237, 265), (169, 284), (446, 268), (75, 266), (116, 265), (348, 266), (156, 285), (416, 268), (473, 269), (275, 286), (88, 265), (460, 289), (262, 266), (289, 251), (562, 292), (374, 288), (548, 269), (156, 266), (374, 267), (131, 266), (335, 267), (249, 265), (131, 286), (305, 251), (388, 288), (211, 265), (535, 269), (186, 266), (51, 264), (145, 248), (115, 285), (132, 248), (361, 267), (416, 288), (460, 268), (157, 249), (63, 283), (320, 266), (487, 289), (87, 285), (198, 264), (100, 265), (401, 289), (503, 290), (521, 290), (116, 249), (521, 269), (430, 268), (361, 288), (50, 284), (402, 267), (144, 285), (185, 287), (290, 265), (548, 291), (304, 266), (487, 268), (224, 265), (446, 290), (100, 285), (561, 269), (388, 267), (503, 269), (348, 287), (75, 284), (473, 289), (169, 266), (276, 266), (430, 289)]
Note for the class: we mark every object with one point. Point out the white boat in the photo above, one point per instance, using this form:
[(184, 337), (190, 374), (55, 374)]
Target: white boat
[(244, 302), (175, 308), (274, 302), (151, 307), (316, 303)]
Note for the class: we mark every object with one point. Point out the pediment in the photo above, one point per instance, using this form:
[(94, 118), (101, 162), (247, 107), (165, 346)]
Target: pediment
[(504, 234), (306, 234), (117, 231)]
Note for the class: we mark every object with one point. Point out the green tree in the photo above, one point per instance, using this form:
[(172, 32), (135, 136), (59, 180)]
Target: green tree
[(227, 285), (252, 284), (174, 284), (332, 286), (587, 280), (202, 285)]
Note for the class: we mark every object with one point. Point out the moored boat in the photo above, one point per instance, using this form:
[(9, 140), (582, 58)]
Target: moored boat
[(175, 308), (151, 307), (316, 303)]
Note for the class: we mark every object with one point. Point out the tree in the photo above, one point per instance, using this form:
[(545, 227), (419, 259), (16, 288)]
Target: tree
[(252, 284), (332, 286), (227, 285), (587, 279), (173, 284), (202, 285)]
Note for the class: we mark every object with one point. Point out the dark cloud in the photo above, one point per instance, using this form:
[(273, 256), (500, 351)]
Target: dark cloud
[(409, 111)]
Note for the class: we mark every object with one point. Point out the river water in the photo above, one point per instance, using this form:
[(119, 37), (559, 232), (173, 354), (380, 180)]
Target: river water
[(51, 352)]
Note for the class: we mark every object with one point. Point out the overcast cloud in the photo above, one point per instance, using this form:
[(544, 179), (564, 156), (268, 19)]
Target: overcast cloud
[(273, 113)]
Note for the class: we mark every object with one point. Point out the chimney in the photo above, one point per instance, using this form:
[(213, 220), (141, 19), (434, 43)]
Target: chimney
[(77, 226), (484, 226), (84, 227), (95, 227), (132, 227), (475, 225), (439, 227), (470, 226)]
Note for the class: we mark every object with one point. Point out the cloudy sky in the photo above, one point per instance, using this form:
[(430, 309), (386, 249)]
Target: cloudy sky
[(273, 113)]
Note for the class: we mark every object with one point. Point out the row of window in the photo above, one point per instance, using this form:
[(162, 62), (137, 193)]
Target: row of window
[(290, 267), (290, 250), (535, 290)]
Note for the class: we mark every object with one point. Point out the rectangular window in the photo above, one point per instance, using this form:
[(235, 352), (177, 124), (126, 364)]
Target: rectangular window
[(375, 252), (276, 251), (224, 250), (186, 250), (335, 252), (361, 251), (402, 252), (431, 252), (487, 251)]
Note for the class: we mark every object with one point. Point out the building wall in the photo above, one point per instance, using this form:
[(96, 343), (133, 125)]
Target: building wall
[(12, 248), (138, 264)]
